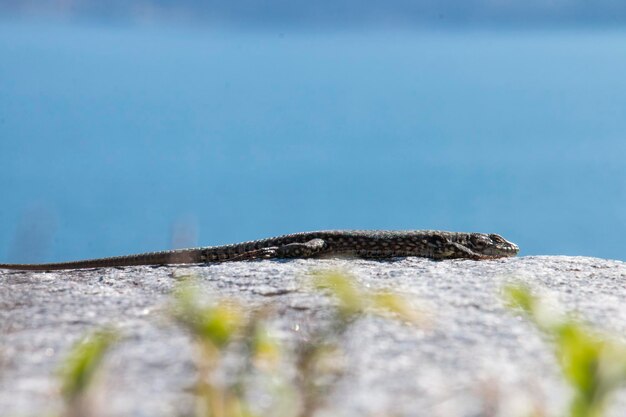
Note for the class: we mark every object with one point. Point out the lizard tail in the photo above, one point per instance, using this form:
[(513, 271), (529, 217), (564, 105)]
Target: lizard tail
[(183, 256)]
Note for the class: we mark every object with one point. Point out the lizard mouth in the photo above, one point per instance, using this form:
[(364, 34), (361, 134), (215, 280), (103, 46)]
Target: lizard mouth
[(511, 249)]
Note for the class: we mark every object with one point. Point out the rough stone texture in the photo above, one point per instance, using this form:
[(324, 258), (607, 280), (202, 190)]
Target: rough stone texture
[(476, 358)]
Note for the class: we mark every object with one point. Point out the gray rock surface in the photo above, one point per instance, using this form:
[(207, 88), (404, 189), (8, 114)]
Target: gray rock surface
[(476, 358)]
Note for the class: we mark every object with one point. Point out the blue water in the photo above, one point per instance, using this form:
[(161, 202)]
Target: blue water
[(119, 140)]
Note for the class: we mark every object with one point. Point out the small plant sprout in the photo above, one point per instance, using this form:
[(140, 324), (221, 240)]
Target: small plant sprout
[(353, 300), (223, 330), (264, 350), (319, 358), (593, 364), (214, 324), (213, 327), (80, 368)]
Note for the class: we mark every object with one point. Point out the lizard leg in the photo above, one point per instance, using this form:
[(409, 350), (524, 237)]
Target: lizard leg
[(291, 250), (308, 249), (453, 250)]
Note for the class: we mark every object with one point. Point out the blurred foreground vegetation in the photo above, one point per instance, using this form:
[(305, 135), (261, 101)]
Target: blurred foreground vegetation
[(593, 364), (298, 378)]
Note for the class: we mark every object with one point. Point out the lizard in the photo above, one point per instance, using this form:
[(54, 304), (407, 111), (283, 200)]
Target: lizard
[(367, 244)]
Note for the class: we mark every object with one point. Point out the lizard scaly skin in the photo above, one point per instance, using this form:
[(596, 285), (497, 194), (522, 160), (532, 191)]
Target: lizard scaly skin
[(369, 244)]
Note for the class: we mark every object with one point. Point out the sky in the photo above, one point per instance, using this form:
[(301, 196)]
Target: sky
[(126, 129), (333, 13)]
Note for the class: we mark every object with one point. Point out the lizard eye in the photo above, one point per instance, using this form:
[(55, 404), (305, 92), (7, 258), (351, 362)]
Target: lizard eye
[(496, 238)]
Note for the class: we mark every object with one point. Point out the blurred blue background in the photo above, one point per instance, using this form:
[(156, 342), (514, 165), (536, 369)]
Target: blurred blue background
[(129, 127)]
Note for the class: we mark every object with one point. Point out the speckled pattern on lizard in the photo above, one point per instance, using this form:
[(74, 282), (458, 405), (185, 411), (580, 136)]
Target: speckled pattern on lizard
[(368, 244)]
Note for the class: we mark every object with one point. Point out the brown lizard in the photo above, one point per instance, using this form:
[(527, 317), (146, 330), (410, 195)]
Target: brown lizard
[(371, 244)]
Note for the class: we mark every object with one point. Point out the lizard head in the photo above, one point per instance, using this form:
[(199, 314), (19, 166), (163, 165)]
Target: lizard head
[(490, 245)]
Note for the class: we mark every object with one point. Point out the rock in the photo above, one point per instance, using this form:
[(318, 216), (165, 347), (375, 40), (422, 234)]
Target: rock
[(475, 356)]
